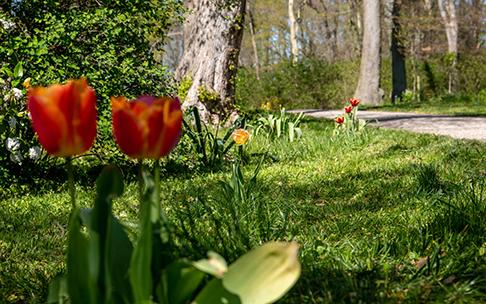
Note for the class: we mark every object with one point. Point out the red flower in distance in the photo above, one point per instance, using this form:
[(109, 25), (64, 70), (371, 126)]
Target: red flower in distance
[(354, 101), (64, 117), (148, 127), (339, 119), (348, 109)]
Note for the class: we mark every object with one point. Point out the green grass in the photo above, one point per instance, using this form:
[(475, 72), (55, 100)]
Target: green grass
[(457, 105), (387, 216)]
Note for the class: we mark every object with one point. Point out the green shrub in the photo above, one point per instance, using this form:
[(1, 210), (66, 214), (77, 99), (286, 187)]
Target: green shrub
[(112, 43), (310, 83)]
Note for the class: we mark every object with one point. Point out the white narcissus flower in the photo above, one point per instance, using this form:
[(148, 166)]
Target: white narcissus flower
[(13, 144), (12, 122), (34, 152), (16, 157), (17, 93)]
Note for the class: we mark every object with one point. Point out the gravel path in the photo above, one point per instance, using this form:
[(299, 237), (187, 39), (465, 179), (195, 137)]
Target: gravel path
[(453, 126)]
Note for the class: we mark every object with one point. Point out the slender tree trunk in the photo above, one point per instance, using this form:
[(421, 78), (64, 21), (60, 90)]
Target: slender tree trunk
[(447, 10), (368, 90), (253, 40), (293, 32), (399, 77), (212, 39)]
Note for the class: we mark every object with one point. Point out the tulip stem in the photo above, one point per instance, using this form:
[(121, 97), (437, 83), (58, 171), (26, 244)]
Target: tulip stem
[(157, 185), (72, 190), (140, 180)]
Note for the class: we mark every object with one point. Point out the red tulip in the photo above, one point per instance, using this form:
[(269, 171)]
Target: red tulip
[(339, 119), (147, 127), (348, 109), (354, 101), (64, 117)]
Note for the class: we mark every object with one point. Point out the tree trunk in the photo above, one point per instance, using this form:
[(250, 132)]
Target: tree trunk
[(253, 41), (368, 90), (293, 33), (447, 10), (399, 76), (212, 39)]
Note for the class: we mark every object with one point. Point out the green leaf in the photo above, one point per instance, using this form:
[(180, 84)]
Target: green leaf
[(264, 274), (179, 282), (18, 70), (140, 264), (80, 276), (291, 131), (58, 292), (118, 253), (216, 293), (110, 183)]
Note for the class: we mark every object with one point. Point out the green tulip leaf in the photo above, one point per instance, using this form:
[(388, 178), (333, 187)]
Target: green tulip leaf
[(58, 292), (178, 283), (215, 293), (80, 275), (110, 182)]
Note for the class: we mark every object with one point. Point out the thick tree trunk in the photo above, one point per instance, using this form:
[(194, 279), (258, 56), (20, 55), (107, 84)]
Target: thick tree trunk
[(368, 90), (399, 76), (212, 39), (293, 32)]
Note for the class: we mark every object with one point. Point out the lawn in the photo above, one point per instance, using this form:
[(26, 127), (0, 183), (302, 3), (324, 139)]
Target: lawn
[(456, 105), (384, 216)]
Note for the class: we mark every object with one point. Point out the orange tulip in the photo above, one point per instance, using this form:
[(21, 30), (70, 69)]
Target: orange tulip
[(64, 117), (147, 127), (348, 109), (240, 136), (339, 119), (354, 101)]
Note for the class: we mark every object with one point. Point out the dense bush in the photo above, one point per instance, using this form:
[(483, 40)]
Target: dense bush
[(112, 43), (309, 84)]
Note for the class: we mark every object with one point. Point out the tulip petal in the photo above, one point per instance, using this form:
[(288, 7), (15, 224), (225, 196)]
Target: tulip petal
[(87, 129), (48, 122), (129, 134)]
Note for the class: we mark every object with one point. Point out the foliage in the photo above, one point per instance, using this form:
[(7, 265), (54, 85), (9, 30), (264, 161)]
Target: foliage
[(314, 83), (311, 83), (357, 209), (211, 149), (142, 272), (279, 126), (349, 123), (239, 216), (17, 144), (112, 43)]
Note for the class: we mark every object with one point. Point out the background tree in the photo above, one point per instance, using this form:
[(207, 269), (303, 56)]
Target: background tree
[(399, 76), (293, 32), (368, 89), (447, 9), (212, 39)]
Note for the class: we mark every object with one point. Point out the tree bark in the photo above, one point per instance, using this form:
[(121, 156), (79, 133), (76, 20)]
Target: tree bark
[(399, 76), (251, 23), (293, 32), (447, 10), (368, 89), (212, 40)]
